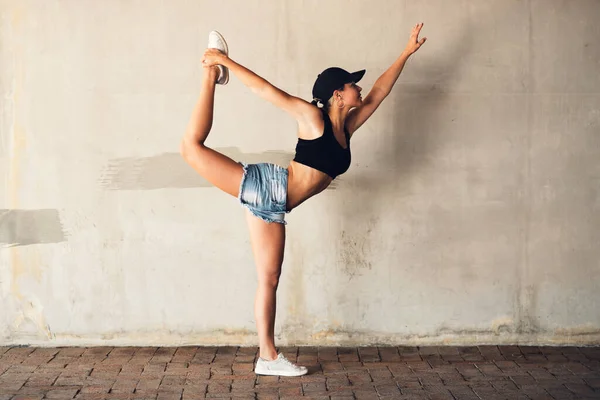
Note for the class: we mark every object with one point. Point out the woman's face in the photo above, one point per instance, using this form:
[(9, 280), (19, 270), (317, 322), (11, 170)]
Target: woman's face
[(351, 95)]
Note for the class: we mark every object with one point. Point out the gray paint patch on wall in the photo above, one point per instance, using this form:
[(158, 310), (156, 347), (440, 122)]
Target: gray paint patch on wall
[(25, 227), (169, 170)]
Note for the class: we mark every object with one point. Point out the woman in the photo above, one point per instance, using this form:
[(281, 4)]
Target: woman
[(269, 191)]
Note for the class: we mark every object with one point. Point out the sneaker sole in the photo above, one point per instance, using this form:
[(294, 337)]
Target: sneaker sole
[(225, 70), (283, 373), (222, 40)]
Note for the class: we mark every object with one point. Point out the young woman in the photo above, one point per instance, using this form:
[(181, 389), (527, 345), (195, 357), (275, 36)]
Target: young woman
[(269, 191)]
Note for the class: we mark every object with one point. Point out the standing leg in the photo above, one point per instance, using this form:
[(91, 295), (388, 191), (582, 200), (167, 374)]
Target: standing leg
[(218, 169), (268, 241)]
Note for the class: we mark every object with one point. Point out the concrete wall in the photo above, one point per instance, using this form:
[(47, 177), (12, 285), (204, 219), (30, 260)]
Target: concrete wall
[(470, 214)]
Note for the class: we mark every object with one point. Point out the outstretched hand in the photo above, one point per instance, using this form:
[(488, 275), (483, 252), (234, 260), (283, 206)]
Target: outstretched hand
[(213, 57), (414, 43)]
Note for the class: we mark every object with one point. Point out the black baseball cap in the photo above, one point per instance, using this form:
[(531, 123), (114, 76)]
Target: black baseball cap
[(331, 80)]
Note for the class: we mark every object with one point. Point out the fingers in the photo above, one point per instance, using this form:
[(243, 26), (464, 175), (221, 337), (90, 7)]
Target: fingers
[(416, 29), (211, 52), (207, 62), (211, 57)]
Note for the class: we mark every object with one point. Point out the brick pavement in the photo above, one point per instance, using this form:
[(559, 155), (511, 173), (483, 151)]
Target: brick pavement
[(483, 372)]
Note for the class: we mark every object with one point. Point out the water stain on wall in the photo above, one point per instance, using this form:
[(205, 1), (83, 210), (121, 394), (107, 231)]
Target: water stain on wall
[(353, 255), (355, 250), (297, 318), (20, 227), (169, 170), (25, 227), (525, 306)]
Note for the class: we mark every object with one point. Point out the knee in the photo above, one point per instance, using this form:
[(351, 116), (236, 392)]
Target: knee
[(182, 149), (270, 281)]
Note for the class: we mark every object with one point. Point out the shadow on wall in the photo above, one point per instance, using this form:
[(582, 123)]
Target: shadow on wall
[(415, 125), (26, 227), (169, 170), (410, 144)]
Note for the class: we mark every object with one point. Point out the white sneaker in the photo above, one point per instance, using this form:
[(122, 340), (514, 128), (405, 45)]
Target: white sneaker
[(217, 41), (280, 366)]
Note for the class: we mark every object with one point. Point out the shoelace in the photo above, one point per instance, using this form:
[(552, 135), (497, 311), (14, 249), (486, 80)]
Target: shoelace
[(288, 362)]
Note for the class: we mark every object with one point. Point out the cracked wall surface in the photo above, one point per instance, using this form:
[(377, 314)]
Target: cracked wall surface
[(470, 213)]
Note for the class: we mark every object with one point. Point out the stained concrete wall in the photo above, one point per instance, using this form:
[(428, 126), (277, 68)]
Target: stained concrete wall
[(470, 214)]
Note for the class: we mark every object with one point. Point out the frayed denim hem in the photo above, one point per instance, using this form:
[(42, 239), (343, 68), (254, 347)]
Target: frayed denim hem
[(267, 220), (245, 168)]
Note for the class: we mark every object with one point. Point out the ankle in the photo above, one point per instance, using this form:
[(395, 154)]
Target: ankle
[(268, 355), (212, 73)]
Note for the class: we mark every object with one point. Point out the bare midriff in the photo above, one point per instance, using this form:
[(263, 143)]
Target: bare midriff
[(303, 183)]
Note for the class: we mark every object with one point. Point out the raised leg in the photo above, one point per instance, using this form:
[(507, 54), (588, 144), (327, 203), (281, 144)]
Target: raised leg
[(218, 169), (268, 242)]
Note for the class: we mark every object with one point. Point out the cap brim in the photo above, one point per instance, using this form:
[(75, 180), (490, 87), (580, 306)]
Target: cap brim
[(357, 76)]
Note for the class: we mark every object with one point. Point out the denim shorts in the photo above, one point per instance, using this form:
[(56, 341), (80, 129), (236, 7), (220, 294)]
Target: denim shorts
[(263, 191)]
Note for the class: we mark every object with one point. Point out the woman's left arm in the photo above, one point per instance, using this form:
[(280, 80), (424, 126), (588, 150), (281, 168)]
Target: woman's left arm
[(384, 84)]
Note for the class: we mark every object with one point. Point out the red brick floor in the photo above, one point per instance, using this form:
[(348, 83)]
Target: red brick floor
[(483, 372)]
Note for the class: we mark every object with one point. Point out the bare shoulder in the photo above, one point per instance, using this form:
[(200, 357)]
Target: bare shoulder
[(310, 124)]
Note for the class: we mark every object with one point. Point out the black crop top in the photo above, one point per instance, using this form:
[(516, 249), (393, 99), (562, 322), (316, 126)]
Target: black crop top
[(325, 153)]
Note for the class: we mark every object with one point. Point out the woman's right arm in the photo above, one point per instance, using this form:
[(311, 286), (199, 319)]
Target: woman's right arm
[(295, 106)]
